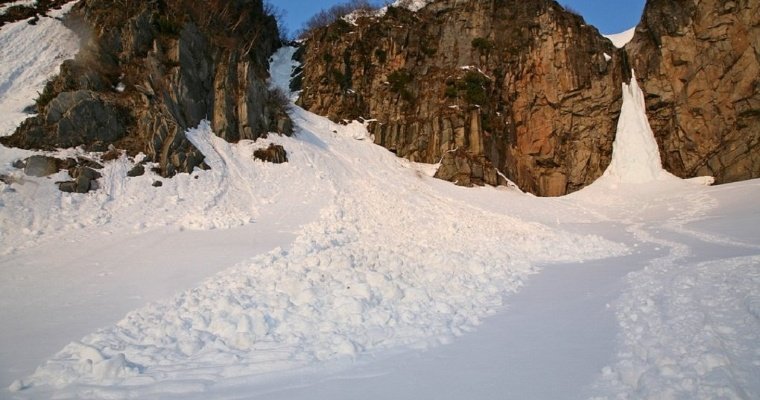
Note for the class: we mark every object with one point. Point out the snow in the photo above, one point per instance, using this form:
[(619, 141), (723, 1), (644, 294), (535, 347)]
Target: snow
[(635, 156), (30, 58), (6, 6), (349, 272), (622, 38), (412, 5)]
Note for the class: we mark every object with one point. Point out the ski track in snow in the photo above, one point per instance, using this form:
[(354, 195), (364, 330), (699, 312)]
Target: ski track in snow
[(394, 259)]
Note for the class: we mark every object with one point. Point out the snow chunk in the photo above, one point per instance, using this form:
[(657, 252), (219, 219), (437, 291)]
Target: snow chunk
[(622, 38)]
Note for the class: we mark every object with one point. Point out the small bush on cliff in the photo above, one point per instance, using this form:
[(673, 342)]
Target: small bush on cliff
[(474, 84), (278, 100), (399, 79), (484, 45), (47, 95)]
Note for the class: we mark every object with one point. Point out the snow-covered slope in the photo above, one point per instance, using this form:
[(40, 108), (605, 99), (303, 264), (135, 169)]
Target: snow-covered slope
[(317, 278), (394, 259), (30, 54)]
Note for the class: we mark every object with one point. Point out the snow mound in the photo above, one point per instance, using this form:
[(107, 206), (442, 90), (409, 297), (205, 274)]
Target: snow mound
[(622, 38), (635, 155)]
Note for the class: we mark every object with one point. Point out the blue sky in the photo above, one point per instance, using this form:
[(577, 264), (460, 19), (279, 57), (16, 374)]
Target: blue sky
[(609, 16)]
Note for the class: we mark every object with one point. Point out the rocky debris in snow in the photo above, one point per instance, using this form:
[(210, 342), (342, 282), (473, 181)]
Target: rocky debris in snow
[(85, 180), (81, 169), (275, 154), (158, 184), (180, 61), (539, 101), (137, 170), (698, 64)]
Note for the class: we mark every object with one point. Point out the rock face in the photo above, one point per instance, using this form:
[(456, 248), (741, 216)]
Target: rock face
[(274, 154), (150, 70), (488, 88), (699, 65)]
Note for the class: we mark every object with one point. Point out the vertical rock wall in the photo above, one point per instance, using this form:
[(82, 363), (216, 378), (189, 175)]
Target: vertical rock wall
[(699, 65), (521, 89)]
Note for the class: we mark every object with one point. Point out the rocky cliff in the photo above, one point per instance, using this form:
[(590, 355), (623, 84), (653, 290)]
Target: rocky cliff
[(490, 89), (699, 64), (149, 70)]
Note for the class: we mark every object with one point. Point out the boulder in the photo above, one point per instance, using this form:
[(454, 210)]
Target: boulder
[(137, 170), (40, 166), (275, 154)]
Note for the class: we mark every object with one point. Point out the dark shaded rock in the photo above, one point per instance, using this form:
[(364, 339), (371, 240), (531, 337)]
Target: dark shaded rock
[(85, 180), (84, 172), (41, 166), (137, 170), (66, 163), (67, 186), (19, 164), (539, 101), (275, 154), (86, 162), (698, 63), (158, 184)]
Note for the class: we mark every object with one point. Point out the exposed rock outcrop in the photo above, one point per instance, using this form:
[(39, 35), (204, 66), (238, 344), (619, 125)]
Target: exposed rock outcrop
[(274, 154), (149, 70), (522, 87), (699, 65)]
